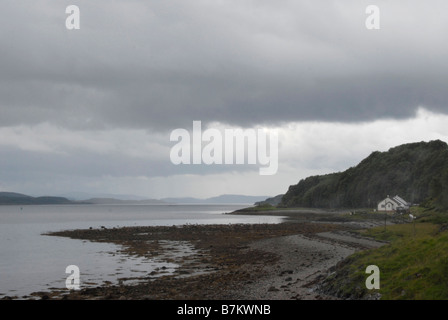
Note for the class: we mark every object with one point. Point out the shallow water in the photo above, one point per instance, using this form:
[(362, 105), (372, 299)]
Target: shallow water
[(30, 261)]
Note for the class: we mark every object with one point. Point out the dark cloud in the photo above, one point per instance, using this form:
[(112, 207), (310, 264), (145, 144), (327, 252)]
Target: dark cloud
[(73, 103), (159, 65)]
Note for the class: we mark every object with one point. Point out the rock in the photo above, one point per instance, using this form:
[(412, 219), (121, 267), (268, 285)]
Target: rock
[(273, 289), (286, 272), (184, 272)]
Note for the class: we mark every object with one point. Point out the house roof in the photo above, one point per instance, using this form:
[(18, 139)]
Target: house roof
[(394, 201), (397, 200), (400, 200)]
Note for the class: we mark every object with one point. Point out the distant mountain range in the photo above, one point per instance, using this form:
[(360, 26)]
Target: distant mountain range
[(81, 196), (120, 201), (13, 198)]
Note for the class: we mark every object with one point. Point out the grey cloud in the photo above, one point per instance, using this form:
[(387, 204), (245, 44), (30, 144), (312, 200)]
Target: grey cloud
[(161, 65)]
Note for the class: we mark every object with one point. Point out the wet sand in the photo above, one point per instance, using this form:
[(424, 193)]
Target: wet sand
[(239, 261)]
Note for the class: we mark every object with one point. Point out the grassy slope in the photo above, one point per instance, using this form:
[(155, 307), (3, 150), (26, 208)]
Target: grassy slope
[(412, 266)]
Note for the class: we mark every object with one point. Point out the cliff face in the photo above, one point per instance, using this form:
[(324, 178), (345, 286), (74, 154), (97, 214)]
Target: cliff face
[(415, 171)]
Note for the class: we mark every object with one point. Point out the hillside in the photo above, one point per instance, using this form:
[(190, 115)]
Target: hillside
[(273, 201), (415, 171)]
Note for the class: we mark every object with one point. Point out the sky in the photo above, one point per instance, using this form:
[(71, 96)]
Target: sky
[(92, 109)]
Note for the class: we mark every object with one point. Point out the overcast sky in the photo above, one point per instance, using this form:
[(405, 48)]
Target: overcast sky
[(92, 109)]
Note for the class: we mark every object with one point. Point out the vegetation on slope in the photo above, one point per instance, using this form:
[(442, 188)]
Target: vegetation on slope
[(413, 266), (415, 171)]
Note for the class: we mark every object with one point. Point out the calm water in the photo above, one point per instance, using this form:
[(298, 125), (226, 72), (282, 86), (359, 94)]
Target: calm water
[(30, 261)]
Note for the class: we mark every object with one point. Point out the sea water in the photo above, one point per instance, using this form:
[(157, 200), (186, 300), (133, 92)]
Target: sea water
[(32, 262)]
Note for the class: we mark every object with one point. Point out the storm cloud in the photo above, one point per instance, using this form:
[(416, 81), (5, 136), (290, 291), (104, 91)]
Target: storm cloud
[(162, 64), (82, 108)]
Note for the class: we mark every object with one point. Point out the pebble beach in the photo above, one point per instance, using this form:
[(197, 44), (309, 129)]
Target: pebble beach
[(236, 261)]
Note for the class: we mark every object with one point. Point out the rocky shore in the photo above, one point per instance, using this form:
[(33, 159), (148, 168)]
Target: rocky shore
[(235, 261)]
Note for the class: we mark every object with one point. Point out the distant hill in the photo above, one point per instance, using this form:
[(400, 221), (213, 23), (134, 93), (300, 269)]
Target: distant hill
[(82, 196), (415, 171), (12, 198), (119, 201), (226, 198)]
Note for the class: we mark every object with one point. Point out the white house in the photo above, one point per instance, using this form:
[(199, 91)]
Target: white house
[(393, 204)]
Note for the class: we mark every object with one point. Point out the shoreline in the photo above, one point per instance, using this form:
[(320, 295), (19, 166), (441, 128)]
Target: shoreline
[(235, 261)]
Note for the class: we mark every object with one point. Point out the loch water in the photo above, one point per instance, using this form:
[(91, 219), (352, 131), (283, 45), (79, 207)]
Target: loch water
[(31, 261)]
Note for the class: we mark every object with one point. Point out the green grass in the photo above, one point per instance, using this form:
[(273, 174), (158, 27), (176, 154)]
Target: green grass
[(402, 231), (432, 215), (414, 265)]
